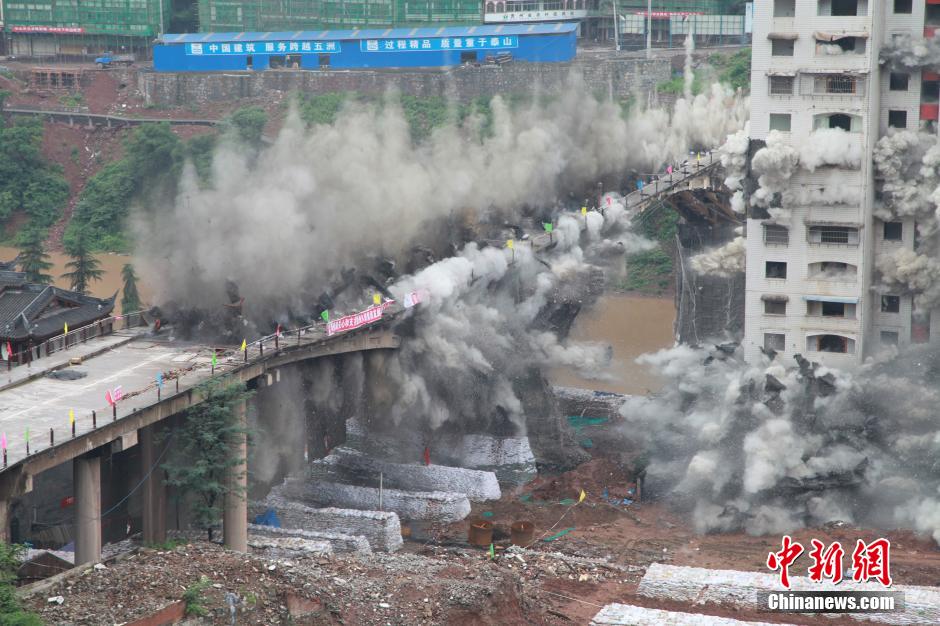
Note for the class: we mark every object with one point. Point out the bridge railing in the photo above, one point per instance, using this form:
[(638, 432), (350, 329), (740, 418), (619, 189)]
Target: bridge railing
[(76, 336)]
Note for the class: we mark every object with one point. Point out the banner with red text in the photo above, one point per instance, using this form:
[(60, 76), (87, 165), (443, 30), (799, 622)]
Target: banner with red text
[(357, 320)]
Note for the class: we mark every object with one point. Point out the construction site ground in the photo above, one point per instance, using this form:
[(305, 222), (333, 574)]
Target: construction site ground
[(439, 578)]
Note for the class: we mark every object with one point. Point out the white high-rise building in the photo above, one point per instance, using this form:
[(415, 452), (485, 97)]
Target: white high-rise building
[(811, 248)]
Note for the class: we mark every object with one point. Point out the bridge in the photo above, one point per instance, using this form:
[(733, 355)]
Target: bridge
[(47, 419)]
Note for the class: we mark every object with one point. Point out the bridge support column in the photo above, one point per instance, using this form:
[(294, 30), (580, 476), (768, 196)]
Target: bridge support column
[(87, 478), (4, 521), (235, 513), (154, 493)]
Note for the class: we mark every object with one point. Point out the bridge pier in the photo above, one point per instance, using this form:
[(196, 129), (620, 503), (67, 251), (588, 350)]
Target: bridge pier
[(154, 494), (235, 512), (87, 477), (4, 521)]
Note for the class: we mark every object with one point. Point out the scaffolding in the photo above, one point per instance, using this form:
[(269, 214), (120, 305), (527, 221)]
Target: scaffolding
[(79, 28), (285, 15)]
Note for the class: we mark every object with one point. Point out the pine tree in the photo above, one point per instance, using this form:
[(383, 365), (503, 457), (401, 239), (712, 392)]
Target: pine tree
[(85, 267), (33, 259), (202, 449), (131, 300)]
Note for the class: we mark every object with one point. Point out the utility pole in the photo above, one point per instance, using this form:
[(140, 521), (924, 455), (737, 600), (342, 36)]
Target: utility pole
[(649, 29), (613, 6)]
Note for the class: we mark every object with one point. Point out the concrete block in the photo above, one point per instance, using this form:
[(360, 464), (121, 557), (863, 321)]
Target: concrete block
[(479, 486), (628, 615), (703, 586), (309, 539), (436, 506), (288, 547), (381, 529)]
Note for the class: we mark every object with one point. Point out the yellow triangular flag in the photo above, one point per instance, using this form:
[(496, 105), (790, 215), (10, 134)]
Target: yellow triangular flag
[(509, 243), (66, 328), (71, 417), (581, 497), (244, 345), (376, 299), (584, 210)]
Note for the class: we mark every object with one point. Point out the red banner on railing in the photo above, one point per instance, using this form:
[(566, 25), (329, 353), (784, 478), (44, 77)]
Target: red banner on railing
[(357, 320)]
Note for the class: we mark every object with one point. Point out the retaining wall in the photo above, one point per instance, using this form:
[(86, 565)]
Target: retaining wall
[(611, 77), (307, 540), (437, 506), (628, 615), (479, 486), (273, 546), (382, 530), (704, 586)]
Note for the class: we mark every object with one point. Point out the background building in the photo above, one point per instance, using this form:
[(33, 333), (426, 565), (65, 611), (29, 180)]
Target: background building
[(79, 28), (278, 15), (810, 274)]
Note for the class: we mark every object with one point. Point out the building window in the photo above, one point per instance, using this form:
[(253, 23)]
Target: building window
[(899, 81), (833, 270), (839, 7), (781, 47), (776, 235), (831, 343), (903, 7), (833, 120), (775, 307), (893, 231), (781, 85), (889, 338), (775, 341), (836, 84), (897, 119), (832, 309), (839, 235), (890, 304), (784, 8), (776, 269), (780, 121)]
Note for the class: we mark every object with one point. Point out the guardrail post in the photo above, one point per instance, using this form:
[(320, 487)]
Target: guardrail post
[(260, 348), (51, 437), (73, 429), (177, 383), (276, 346), (298, 336), (94, 419), (114, 411)]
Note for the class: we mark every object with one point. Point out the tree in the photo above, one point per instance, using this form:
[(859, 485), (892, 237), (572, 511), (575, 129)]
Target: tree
[(11, 613), (33, 258), (203, 451), (85, 267), (28, 183), (131, 300), (248, 124)]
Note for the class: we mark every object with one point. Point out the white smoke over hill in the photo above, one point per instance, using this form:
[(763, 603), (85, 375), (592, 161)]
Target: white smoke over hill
[(285, 220), (724, 260)]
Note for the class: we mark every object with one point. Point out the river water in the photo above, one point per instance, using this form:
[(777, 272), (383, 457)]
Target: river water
[(104, 288), (632, 325)]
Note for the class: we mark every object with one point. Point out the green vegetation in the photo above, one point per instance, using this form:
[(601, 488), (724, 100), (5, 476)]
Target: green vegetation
[(72, 100), (650, 271), (130, 301), (733, 69), (248, 124), (203, 455), (676, 85), (85, 268), (33, 258), (28, 183), (194, 598), (168, 545), (11, 612)]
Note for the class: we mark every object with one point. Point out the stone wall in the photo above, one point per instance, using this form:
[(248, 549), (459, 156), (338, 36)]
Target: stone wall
[(381, 529), (617, 77)]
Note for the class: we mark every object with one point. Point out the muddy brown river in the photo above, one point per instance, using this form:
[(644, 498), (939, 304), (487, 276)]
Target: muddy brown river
[(632, 325)]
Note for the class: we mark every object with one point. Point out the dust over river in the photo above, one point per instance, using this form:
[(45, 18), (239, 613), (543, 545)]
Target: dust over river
[(632, 325)]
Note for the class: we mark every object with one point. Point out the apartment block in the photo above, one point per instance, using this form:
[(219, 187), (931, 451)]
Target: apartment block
[(811, 248)]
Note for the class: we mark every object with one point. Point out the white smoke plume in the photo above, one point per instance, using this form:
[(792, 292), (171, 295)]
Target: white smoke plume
[(770, 447), (725, 260), (830, 146), (282, 222), (774, 165), (733, 153), (905, 51)]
